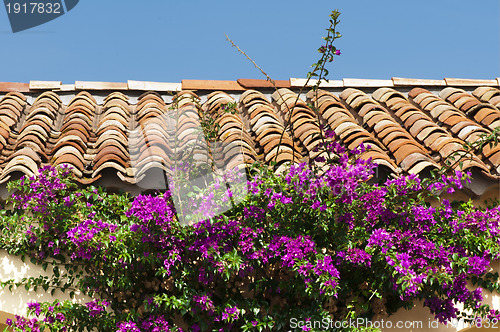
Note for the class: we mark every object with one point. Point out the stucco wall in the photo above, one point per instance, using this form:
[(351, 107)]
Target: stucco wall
[(11, 303), (15, 302), (422, 321)]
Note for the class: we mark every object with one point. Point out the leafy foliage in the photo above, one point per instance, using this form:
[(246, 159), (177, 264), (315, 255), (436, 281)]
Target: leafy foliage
[(309, 243)]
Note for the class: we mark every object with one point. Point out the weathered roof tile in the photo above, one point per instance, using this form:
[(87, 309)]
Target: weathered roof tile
[(134, 137)]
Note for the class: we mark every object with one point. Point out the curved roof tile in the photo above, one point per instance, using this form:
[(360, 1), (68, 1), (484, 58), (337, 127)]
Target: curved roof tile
[(121, 132)]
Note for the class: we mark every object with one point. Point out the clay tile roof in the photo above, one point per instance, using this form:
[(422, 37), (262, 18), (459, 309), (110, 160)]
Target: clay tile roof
[(252, 84), (14, 87), (125, 133)]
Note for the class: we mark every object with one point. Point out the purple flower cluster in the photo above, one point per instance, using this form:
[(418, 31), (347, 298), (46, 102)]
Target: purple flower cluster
[(450, 182), (291, 250), (157, 323), (303, 185), (35, 324), (153, 323), (356, 256), (96, 307), (214, 237), (324, 48), (307, 226), (204, 302), (127, 327), (326, 266), (478, 265), (230, 313), (478, 221), (24, 324), (40, 192), (405, 184), (443, 309), (155, 212), (35, 307), (155, 217), (83, 235), (381, 238), (42, 189)]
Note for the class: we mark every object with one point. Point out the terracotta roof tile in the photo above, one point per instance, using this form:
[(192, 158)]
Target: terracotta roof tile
[(270, 136), (307, 129), (44, 85), (253, 83), (154, 86), (84, 85), (377, 118), (357, 83), (300, 82), (135, 138), (398, 81), (14, 87), (469, 82), (211, 85), (67, 87), (485, 93), (459, 125)]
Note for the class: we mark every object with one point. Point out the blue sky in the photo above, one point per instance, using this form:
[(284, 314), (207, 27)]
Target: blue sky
[(167, 41)]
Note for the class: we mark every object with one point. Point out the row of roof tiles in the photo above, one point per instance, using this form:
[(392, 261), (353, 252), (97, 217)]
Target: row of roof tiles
[(407, 132), (238, 85)]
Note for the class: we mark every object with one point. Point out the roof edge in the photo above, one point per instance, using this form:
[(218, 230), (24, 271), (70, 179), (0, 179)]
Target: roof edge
[(239, 85)]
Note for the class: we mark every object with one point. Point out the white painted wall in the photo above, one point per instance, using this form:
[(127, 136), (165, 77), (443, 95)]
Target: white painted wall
[(421, 314), (15, 302)]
